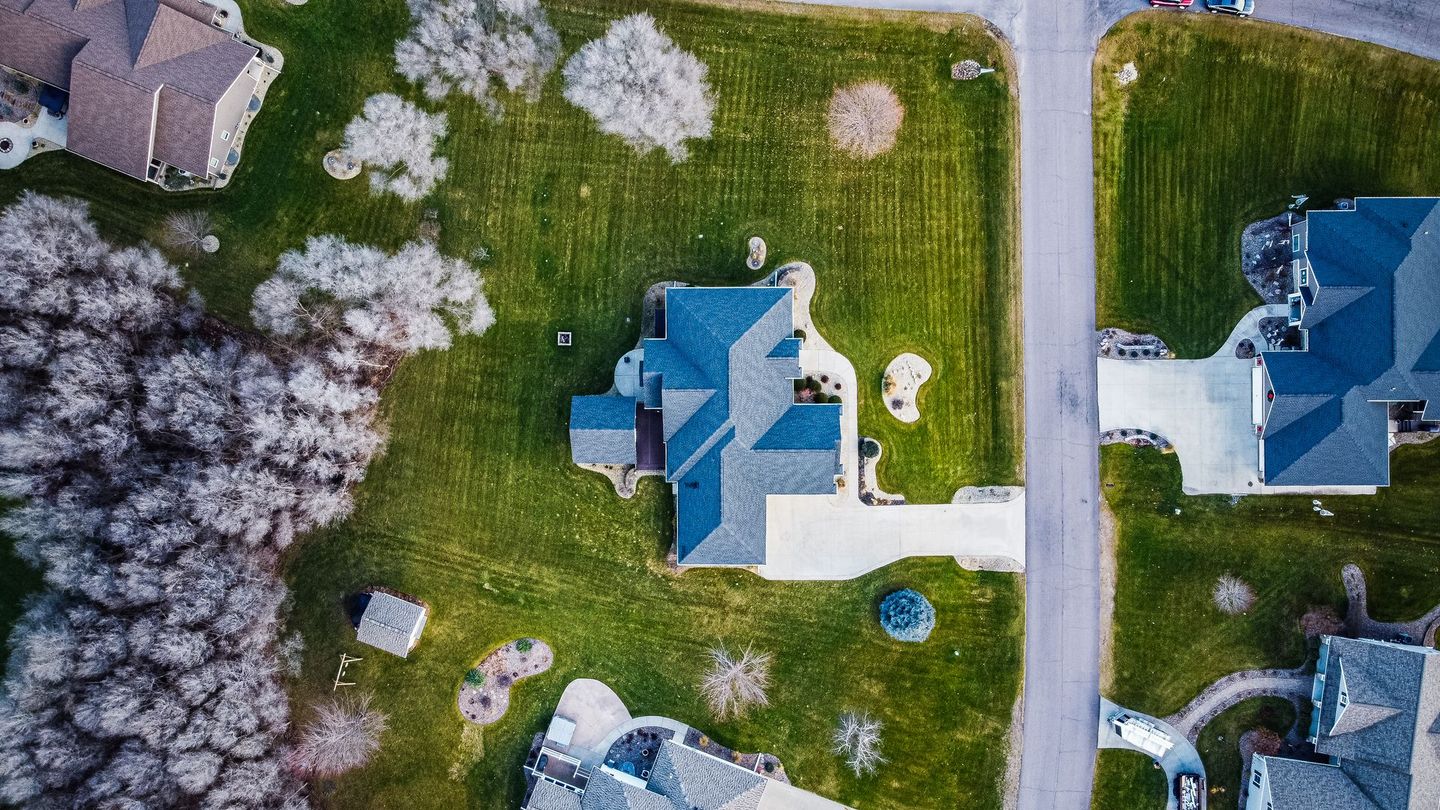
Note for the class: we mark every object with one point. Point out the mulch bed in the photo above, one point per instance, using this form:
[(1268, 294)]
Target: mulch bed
[(486, 703)]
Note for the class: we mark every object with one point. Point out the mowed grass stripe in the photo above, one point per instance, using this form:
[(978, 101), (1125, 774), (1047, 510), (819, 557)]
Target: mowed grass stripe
[(1224, 124)]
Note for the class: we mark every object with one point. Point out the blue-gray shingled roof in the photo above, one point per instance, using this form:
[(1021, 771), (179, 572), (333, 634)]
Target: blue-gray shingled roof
[(723, 377), (698, 781), (602, 429), (1374, 337)]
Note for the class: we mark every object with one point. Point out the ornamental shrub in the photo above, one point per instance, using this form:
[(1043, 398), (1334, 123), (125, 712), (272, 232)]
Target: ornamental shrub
[(475, 677), (907, 616), (869, 448), (524, 645)]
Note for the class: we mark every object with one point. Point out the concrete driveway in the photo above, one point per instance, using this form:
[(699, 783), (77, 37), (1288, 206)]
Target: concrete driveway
[(1182, 758), (832, 537)]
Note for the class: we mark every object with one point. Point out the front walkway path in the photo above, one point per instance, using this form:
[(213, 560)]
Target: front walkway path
[(1181, 758), (1292, 684)]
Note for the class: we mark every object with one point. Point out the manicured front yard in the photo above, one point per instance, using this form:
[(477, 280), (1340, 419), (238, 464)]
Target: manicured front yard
[(1225, 122), (1170, 640), (476, 508)]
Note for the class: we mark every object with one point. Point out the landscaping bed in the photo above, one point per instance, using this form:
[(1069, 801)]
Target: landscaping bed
[(485, 693)]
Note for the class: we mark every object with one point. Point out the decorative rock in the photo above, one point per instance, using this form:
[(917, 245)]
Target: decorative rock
[(1127, 74), (965, 71), (756, 259), (341, 166), (210, 244), (903, 378)]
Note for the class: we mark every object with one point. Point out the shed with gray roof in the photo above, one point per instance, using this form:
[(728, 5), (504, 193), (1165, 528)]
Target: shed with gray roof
[(392, 623)]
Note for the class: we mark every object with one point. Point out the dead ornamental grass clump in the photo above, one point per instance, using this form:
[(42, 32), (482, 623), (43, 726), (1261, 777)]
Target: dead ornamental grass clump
[(1232, 595), (865, 119)]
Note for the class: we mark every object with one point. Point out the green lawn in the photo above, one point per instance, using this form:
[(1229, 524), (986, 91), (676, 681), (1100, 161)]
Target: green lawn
[(476, 509), (1171, 642), (1127, 780), (1225, 123), (1219, 743)]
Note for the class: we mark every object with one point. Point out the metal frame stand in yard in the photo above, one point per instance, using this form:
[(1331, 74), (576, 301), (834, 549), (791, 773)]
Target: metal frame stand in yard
[(345, 661)]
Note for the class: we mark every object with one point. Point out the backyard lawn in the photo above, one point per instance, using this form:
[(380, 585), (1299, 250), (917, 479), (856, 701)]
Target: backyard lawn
[(1225, 122), (476, 508)]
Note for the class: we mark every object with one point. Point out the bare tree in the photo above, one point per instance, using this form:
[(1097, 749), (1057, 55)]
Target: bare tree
[(471, 45), (343, 735), (1232, 595), (865, 119), (398, 139), (185, 231), (639, 85), (732, 685), (857, 738)]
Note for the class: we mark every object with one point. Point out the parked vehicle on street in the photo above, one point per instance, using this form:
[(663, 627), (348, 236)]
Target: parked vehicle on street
[(1190, 791), (1240, 8)]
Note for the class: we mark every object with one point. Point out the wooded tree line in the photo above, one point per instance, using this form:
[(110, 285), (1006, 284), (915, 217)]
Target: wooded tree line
[(162, 461)]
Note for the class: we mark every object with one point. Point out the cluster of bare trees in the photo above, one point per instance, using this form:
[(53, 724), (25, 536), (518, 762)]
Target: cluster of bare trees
[(471, 45), (398, 139), (162, 461), (638, 84)]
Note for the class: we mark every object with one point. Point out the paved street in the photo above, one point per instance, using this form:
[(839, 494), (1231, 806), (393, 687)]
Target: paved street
[(1055, 42)]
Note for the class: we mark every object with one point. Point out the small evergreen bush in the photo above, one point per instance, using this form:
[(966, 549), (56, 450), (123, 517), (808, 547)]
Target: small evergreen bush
[(475, 677), (907, 616), (869, 448), (524, 645)]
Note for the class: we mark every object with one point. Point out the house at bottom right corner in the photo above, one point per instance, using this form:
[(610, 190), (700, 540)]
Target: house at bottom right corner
[(1376, 717)]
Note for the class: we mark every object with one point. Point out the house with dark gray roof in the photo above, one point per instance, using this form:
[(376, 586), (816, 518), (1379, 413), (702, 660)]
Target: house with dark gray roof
[(1367, 306), (1376, 717), (722, 378), (154, 86)]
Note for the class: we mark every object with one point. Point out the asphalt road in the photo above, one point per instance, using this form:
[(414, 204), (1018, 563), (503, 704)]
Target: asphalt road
[(1055, 41)]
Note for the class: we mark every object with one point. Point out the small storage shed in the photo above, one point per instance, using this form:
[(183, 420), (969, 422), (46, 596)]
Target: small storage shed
[(392, 623)]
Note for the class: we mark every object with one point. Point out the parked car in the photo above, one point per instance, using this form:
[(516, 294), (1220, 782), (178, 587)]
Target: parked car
[(1173, 3), (1240, 8)]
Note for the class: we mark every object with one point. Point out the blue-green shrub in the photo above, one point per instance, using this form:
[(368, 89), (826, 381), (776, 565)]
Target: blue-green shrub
[(907, 616)]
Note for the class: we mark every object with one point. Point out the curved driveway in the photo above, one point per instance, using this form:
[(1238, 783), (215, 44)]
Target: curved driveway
[(1055, 42)]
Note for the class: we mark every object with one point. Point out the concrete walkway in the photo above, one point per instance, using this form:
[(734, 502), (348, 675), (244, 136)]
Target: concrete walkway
[(1202, 407), (46, 128), (595, 710), (1181, 758), (823, 537), (1291, 684)]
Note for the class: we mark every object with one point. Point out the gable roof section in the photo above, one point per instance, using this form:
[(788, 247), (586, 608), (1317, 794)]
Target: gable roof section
[(388, 622), (547, 795), (602, 429), (1300, 785), (723, 375), (1373, 338), (1388, 737), (605, 792), (698, 781)]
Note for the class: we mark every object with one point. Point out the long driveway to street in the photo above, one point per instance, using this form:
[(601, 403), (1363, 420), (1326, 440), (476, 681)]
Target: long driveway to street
[(1055, 42)]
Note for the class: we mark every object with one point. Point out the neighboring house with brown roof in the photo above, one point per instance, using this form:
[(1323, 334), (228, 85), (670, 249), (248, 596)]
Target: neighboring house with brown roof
[(153, 85)]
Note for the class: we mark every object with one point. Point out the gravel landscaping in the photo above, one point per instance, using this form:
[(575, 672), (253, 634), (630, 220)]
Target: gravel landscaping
[(485, 694)]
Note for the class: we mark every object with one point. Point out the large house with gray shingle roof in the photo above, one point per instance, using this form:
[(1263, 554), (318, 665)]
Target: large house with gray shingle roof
[(1367, 304), (153, 84), (1376, 716), (721, 372)]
